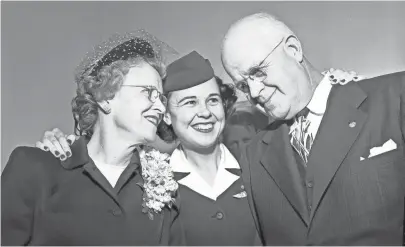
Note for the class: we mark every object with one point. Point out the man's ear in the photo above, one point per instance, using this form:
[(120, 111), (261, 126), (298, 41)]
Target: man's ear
[(167, 118), (293, 47)]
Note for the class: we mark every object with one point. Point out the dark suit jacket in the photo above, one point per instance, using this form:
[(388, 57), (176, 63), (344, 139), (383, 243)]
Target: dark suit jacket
[(46, 202), (343, 200)]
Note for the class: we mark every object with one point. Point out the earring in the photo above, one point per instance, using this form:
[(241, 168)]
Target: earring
[(105, 107)]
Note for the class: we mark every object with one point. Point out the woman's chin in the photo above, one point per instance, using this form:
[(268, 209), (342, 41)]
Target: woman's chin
[(150, 139), (149, 134), (207, 144), (146, 138)]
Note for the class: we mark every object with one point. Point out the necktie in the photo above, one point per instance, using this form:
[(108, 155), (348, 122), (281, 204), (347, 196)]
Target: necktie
[(301, 138)]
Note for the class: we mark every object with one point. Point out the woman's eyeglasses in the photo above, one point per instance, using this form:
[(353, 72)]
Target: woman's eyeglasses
[(153, 94)]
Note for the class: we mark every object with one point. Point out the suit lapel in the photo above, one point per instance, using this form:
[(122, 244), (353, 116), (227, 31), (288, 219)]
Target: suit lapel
[(279, 161), (340, 126)]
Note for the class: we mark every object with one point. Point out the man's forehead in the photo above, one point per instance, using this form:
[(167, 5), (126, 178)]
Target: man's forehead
[(245, 54), (242, 60), (250, 39)]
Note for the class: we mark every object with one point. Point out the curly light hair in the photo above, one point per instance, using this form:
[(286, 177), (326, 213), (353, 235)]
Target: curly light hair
[(103, 86)]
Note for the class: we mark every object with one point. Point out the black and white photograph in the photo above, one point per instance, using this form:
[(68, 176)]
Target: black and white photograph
[(202, 123)]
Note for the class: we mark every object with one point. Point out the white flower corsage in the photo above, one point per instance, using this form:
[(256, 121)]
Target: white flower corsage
[(159, 184)]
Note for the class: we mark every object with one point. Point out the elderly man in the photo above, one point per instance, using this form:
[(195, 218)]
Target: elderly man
[(331, 169)]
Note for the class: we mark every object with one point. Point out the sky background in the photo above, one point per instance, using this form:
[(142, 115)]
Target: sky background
[(42, 43)]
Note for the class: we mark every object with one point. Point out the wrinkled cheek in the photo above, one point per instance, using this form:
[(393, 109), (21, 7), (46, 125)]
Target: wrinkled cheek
[(128, 121), (273, 104), (129, 117), (278, 105), (122, 122)]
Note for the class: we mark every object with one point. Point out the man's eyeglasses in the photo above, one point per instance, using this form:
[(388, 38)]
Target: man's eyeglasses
[(256, 73), (153, 94)]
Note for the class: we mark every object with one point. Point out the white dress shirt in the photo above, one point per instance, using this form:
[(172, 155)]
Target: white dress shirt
[(317, 105)]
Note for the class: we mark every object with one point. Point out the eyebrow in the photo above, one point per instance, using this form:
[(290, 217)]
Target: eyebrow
[(248, 73), (214, 94), (194, 97), (255, 68), (186, 98), (259, 65)]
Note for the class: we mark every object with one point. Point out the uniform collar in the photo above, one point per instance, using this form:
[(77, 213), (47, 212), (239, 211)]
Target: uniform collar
[(179, 163), (227, 173), (319, 100)]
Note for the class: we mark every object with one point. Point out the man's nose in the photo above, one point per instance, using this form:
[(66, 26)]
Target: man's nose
[(255, 88)]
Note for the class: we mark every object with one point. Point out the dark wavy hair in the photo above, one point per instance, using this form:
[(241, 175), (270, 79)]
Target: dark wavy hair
[(228, 97), (103, 86)]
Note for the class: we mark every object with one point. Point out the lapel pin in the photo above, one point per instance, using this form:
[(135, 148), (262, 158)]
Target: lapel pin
[(352, 124), (240, 195)]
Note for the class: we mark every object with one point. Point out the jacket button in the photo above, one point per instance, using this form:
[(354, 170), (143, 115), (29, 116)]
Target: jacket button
[(310, 184), (116, 212), (220, 216)]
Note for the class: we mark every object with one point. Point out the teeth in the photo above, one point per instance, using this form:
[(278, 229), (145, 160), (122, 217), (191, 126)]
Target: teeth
[(203, 126)]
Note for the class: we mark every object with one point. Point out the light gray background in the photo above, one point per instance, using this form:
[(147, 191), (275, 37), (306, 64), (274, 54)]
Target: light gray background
[(42, 42)]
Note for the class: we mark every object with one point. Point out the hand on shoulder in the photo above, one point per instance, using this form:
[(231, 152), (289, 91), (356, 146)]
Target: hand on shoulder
[(57, 143)]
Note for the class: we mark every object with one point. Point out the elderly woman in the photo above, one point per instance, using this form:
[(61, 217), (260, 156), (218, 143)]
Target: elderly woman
[(215, 209), (100, 195)]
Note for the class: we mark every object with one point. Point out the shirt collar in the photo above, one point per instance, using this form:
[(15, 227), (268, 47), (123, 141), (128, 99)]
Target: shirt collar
[(319, 100)]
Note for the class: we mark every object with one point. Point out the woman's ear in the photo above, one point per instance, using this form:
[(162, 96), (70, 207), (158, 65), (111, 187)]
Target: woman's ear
[(167, 118), (293, 47), (105, 106)]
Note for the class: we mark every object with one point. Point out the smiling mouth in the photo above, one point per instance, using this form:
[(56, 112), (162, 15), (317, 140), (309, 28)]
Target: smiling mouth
[(153, 119), (203, 127)]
